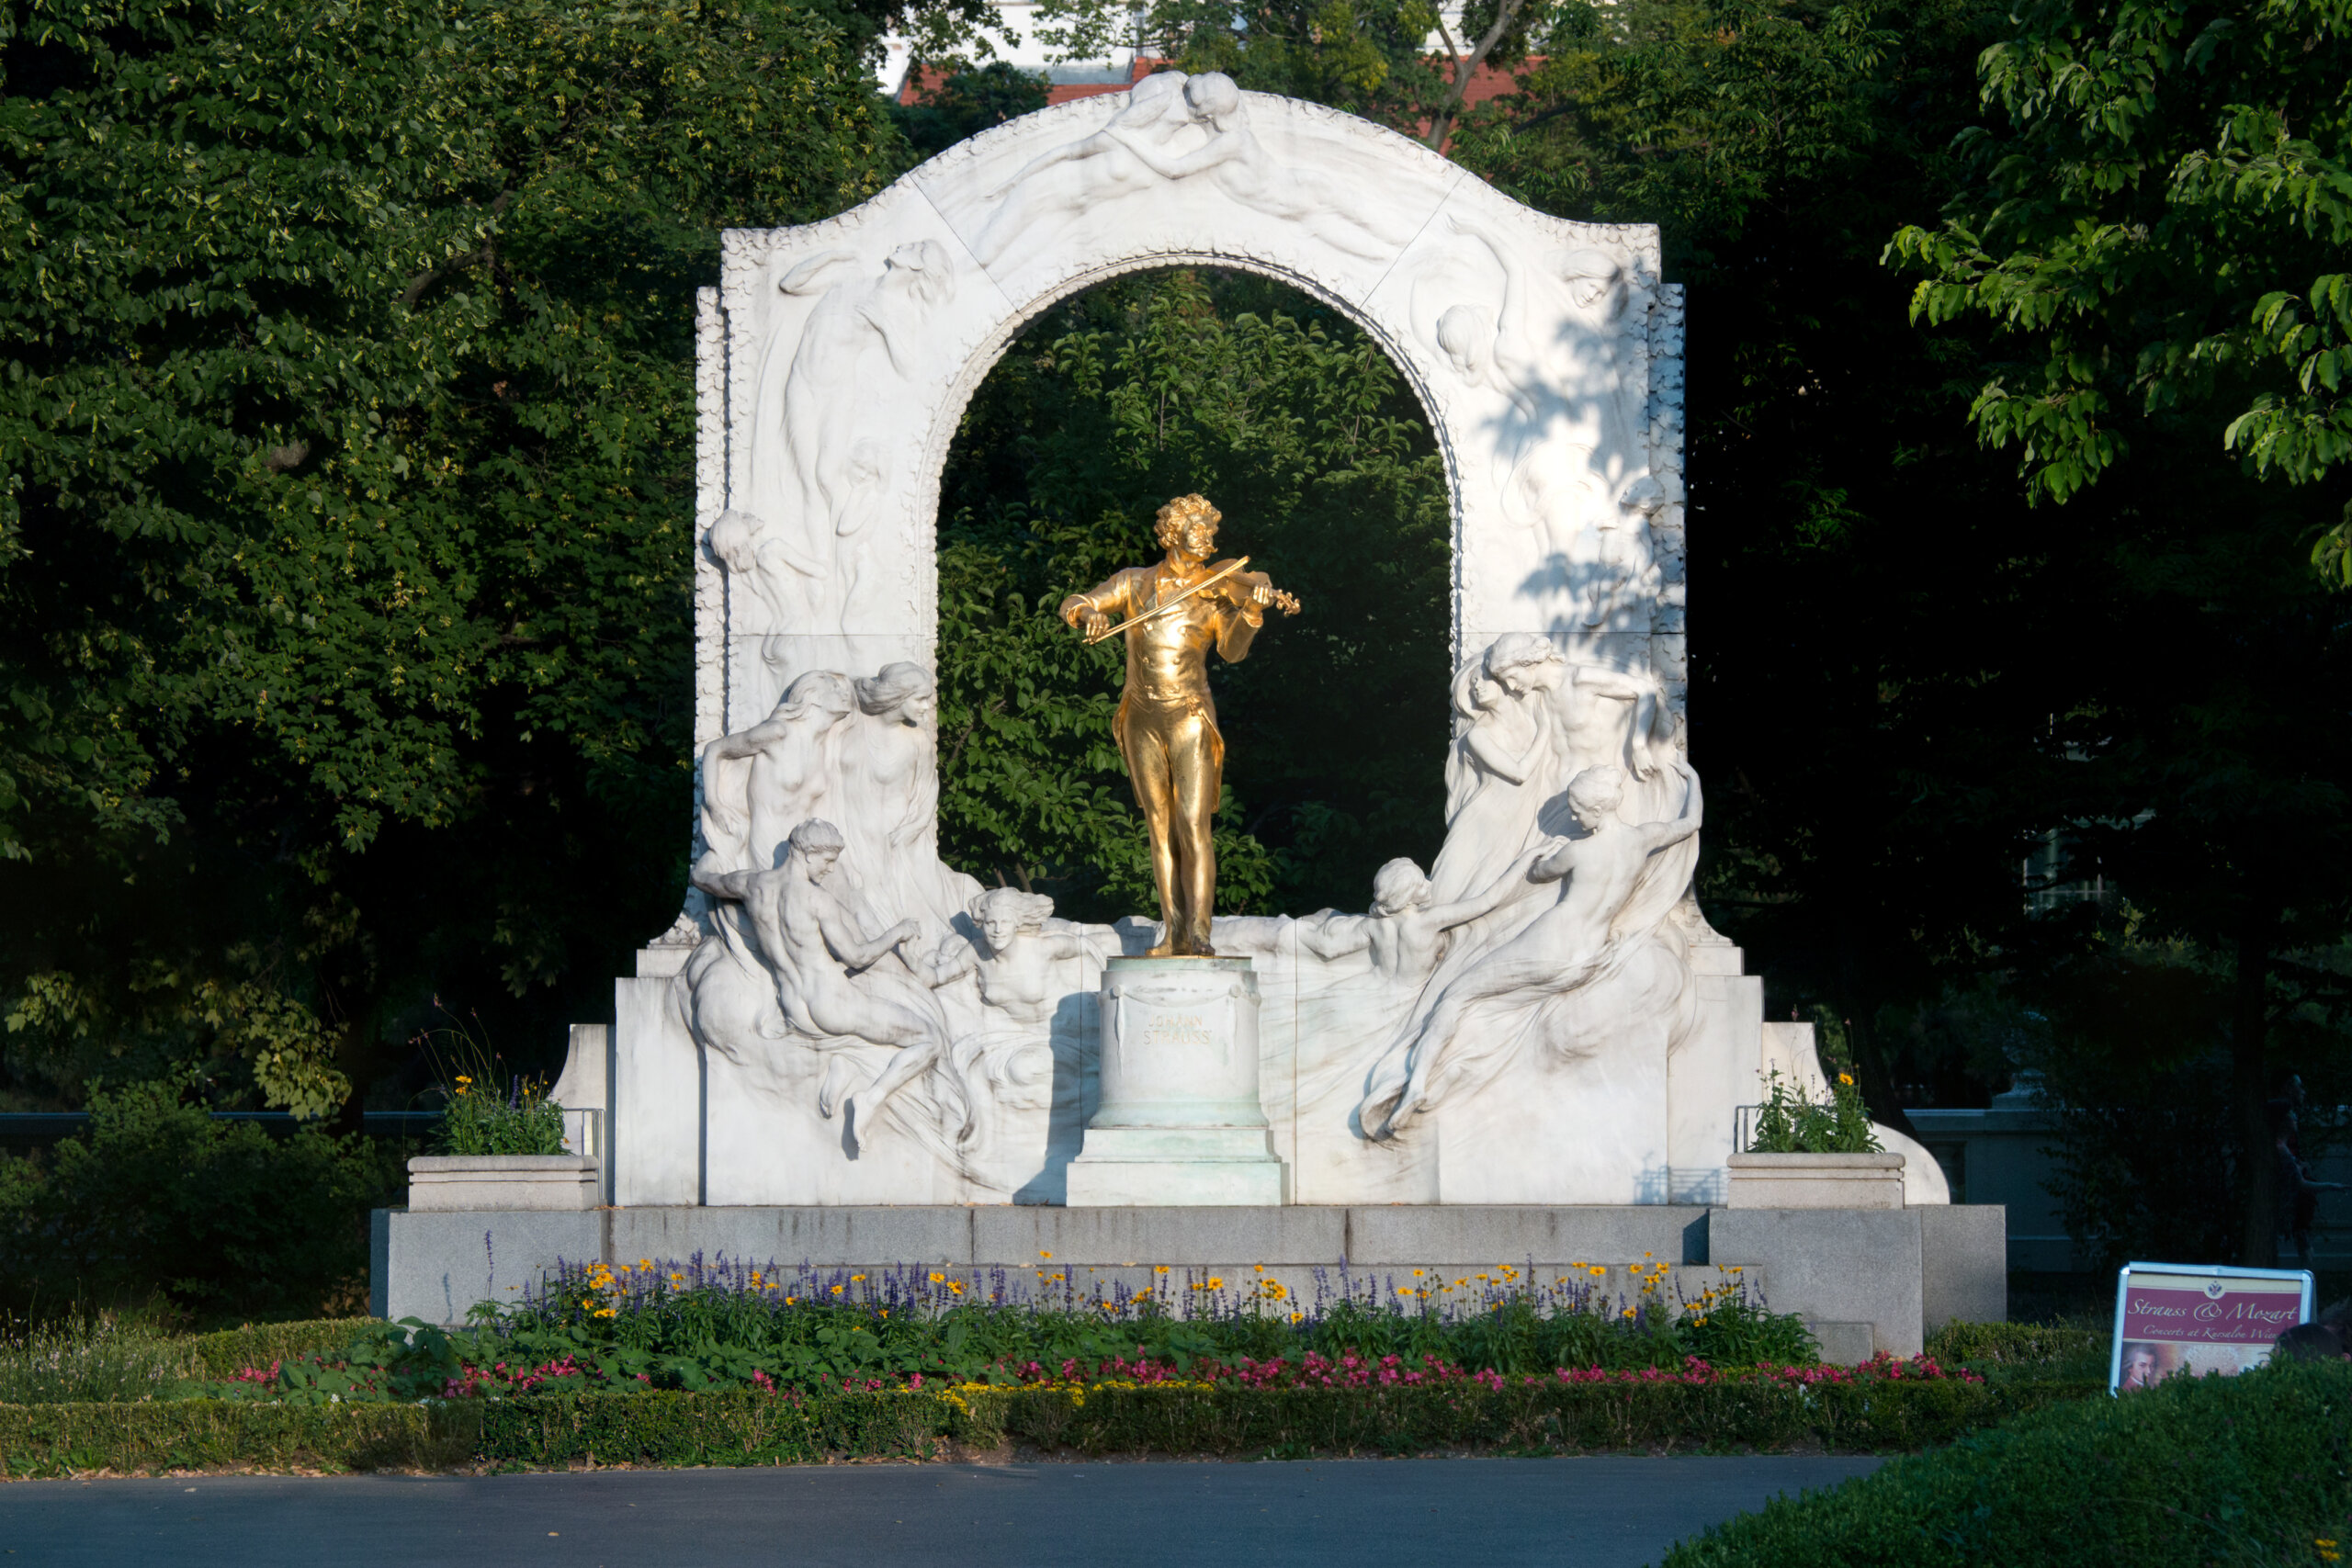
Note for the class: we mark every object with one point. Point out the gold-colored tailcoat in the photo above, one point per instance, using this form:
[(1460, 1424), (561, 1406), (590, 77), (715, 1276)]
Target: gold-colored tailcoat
[(1167, 730)]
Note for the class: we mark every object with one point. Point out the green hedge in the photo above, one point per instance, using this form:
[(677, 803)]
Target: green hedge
[(2011, 1343), (2251, 1469), (208, 1434), (745, 1426), (1545, 1418), (231, 1350)]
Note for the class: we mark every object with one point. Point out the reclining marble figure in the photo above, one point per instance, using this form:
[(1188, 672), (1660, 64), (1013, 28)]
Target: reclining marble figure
[(1565, 947)]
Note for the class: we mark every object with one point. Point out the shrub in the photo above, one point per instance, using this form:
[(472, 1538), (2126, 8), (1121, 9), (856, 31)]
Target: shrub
[(229, 1351), (2252, 1468), (192, 1434), (2012, 1343), (219, 1218)]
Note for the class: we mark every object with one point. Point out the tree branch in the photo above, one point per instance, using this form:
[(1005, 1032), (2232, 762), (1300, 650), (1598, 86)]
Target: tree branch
[(1441, 123)]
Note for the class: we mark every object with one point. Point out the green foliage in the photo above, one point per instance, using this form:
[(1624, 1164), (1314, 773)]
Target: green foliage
[(347, 415), (157, 1196), (2011, 1343), (91, 1358), (743, 1426), (1296, 424), (1539, 1419), (1791, 1124), (695, 1326), (475, 1118), (1368, 57), (477, 1122), (2161, 221), (160, 1436), (227, 1352), (965, 103), (2243, 1470)]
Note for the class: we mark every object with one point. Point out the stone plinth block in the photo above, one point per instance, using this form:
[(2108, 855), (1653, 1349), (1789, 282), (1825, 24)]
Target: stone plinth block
[(439, 1266), (510, 1182), (1816, 1182), (1834, 1265), (1180, 1122)]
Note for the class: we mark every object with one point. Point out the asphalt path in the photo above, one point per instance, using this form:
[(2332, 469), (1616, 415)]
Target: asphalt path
[(1577, 1512)]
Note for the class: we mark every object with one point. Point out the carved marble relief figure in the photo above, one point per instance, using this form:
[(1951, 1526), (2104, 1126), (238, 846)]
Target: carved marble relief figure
[(855, 351), (1568, 946), (829, 981), (889, 795), (1107, 163), (1024, 1066)]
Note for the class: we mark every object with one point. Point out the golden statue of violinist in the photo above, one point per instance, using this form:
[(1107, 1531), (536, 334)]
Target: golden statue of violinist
[(1175, 612)]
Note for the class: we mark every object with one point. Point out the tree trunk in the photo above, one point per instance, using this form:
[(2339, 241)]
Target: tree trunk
[(2250, 1085)]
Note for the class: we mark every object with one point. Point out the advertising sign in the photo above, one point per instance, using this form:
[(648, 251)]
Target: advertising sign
[(2172, 1318)]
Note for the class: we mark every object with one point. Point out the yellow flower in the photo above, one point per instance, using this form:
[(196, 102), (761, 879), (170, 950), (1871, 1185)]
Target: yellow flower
[(792, 1301), (1627, 1313), (1418, 1272), (677, 1279), (953, 1289), (1044, 1255), (857, 1279), (937, 1277), (1846, 1079), (1160, 1268), (1216, 1283), (837, 1289), (1598, 1270), (1297, 1316), (645, 1264)]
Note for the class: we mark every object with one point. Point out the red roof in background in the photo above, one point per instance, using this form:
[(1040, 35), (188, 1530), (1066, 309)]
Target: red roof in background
[(1486, 82)]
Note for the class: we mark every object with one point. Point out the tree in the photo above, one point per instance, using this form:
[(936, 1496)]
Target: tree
[(2157, 222), (1905, 676), (2162, 222), (346, 418), (1303, 433), (1369, 57)]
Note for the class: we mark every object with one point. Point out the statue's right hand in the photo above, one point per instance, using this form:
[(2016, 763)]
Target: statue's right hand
[(1098, 624)]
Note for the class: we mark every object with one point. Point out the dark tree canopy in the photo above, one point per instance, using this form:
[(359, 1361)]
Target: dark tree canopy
[(1293, 421)]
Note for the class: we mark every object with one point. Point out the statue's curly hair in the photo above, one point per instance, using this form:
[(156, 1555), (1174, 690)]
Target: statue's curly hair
[(1183, 510)]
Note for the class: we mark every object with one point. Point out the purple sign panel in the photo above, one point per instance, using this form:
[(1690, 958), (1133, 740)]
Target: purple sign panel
[(2172, 1318)]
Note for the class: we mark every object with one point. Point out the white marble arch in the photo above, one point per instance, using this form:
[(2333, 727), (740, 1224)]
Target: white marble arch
[(1607, 1049), (836, 359)]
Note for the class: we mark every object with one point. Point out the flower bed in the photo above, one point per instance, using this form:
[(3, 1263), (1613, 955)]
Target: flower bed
[(728, 1364), (694, 1327)]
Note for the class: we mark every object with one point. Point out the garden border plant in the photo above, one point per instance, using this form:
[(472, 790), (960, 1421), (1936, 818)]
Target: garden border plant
[(727, 1363)]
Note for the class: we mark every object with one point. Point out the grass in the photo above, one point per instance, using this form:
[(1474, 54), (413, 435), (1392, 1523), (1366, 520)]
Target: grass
[(99, 1358)]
